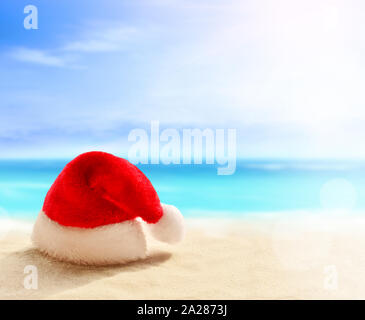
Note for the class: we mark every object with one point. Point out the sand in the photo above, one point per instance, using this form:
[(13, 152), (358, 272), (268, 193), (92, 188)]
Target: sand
[(310, 257)]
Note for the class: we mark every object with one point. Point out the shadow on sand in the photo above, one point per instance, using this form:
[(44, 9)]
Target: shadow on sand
[(55, 276)]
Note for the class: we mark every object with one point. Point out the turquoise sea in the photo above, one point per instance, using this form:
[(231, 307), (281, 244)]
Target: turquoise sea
[(257, 186)]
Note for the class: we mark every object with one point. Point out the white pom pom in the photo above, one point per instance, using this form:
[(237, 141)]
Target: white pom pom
[(170, 228)]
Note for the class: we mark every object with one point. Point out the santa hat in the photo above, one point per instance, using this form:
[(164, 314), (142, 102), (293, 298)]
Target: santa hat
[(94, 213)]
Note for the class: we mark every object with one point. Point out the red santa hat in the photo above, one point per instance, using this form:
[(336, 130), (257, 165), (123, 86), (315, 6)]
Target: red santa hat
[(94, 213)]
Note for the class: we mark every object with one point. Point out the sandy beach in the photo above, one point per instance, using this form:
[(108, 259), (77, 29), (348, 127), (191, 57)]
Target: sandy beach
[(307, 257)]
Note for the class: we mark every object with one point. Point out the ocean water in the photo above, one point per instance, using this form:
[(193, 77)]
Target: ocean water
[(257, 186)]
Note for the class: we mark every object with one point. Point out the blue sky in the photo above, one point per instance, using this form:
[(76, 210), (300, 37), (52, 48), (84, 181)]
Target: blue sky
[(288, 75)]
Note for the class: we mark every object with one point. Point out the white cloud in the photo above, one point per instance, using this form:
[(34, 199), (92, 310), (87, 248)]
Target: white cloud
[(100, 40), (111, 39), (288, 74), (38, 57)]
